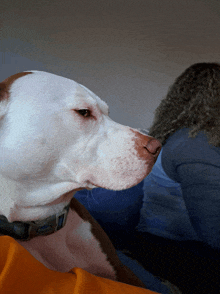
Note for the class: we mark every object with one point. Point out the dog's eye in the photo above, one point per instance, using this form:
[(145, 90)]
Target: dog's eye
[(84, 112)]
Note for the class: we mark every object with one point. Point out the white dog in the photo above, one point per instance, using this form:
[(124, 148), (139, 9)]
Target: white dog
[(55, 138)]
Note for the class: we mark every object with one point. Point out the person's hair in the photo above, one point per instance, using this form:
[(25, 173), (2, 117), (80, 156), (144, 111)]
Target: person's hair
[(193, 102)]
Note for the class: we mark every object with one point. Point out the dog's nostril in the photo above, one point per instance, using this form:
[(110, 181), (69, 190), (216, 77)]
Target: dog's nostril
[(153, 146)]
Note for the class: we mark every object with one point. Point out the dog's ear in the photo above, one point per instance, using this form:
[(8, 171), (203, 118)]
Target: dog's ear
[(5, 91)]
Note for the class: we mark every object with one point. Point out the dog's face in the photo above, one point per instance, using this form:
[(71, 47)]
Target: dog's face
[(56, 136)]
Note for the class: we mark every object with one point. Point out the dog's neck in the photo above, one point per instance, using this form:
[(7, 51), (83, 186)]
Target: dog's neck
[(15, 210)]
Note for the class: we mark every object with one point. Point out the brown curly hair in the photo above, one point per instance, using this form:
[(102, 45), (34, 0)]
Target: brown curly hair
[(193, 101)]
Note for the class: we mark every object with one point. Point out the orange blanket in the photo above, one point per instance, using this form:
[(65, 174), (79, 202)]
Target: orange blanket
[(20, 272)]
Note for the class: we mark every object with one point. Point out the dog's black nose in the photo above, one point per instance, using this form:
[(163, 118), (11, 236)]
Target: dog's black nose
[(153, 146)]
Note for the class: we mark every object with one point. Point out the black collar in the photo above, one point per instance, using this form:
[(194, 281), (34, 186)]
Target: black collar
[(28, 230)]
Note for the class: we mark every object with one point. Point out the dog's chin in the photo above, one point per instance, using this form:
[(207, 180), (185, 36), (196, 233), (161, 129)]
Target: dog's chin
[(122, 183)]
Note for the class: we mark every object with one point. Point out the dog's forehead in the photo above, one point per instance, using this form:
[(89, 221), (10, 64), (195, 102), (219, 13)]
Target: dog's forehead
[(47, 85)]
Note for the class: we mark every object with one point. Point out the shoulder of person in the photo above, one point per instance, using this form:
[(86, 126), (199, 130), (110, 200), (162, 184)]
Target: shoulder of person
[(180, 149)]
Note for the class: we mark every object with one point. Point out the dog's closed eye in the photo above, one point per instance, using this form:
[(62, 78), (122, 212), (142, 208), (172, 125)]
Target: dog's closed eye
[(84, 112)]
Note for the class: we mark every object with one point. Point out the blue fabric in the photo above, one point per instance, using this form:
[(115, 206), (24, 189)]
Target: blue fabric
[(152, 283), (182, 193), (114, 210), (164, 212)]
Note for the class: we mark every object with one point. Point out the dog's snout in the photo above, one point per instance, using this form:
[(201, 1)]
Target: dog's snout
[(147, 146), (153, 146)]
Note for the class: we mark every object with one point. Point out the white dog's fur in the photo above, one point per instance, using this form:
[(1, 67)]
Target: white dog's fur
[(48, 149)]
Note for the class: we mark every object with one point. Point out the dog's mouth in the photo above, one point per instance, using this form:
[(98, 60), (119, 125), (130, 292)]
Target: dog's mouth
[(127, 181)]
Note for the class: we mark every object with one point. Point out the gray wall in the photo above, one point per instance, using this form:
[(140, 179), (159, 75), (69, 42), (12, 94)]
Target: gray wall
[(127, 51)]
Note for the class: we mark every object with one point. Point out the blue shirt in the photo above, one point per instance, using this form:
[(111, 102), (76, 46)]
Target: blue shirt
[(164, 212), (182, 193)]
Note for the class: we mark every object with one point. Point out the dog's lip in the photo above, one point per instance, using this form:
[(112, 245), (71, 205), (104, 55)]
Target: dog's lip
[(95, 186), (150, 165)]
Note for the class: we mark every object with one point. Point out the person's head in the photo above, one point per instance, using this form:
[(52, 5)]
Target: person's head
[(193, 101)]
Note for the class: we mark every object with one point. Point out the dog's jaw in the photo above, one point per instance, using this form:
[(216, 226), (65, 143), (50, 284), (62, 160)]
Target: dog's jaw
[(24, 201), (14, 210)]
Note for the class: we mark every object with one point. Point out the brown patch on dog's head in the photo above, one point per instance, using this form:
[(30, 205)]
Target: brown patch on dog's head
[(5, 85), (4, 90)]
